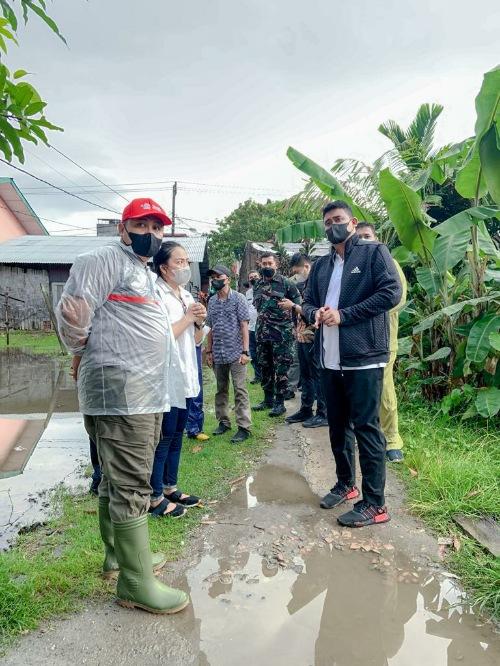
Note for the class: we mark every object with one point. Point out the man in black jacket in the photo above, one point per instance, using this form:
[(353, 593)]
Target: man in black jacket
[(348, 296)]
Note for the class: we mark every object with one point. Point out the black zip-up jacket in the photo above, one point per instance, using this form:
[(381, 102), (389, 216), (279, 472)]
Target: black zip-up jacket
[(370, 287)]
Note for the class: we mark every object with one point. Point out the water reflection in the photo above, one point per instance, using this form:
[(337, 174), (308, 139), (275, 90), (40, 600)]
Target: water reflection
[(42, 438), (337, 612)]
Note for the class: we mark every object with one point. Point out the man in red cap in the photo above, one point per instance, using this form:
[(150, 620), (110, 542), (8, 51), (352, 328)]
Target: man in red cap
[(110, 319)]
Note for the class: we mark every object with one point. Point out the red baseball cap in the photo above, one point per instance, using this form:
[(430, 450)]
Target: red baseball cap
[(146, 207)]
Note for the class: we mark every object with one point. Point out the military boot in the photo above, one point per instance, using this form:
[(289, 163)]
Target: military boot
[(265, 404), (278, 408)]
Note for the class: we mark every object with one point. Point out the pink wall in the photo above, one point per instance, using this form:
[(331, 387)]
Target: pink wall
[(10, 227)]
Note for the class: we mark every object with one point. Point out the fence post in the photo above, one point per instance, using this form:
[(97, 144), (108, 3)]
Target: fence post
[(52, 316)]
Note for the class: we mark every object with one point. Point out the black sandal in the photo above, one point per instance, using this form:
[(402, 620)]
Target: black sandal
[(159, 510), (188, 502)]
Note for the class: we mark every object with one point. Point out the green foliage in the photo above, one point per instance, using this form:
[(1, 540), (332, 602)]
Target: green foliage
[(296, 233), (21, 107), (453, 310), (406, 214), (455, 469), (326, 182), (251, 221)]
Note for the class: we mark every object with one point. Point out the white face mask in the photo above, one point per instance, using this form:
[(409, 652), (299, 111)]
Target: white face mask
[(182, 275)]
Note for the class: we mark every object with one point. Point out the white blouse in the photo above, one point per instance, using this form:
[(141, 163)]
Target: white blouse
[(185, 343)]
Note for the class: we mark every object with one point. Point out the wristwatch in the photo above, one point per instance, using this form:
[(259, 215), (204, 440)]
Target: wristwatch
[(245, 353)]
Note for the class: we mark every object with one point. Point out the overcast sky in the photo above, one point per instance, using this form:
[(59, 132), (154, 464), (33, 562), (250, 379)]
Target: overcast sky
[(212, 92)]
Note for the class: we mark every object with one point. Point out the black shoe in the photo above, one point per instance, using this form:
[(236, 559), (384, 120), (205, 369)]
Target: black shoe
[(394, 456), (364, 514), (278, 409), (240, 436), (289, 395), (315, 422), (301, 415), (338, 494), (265, 404), (221, 429)]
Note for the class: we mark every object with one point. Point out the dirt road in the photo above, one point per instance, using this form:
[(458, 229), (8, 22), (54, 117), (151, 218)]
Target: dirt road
[(274, 581)]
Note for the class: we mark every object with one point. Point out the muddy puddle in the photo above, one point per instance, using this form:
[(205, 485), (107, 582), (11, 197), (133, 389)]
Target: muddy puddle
[(42, 439), (302, 591)]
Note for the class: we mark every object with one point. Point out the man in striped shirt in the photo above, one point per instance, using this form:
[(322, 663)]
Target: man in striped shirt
[(228, 352)]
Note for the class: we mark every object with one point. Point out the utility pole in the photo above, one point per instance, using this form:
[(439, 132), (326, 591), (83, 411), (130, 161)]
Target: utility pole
[(174, 194)]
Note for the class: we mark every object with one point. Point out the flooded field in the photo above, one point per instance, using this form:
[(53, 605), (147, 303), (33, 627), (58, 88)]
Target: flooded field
[(42, 439)]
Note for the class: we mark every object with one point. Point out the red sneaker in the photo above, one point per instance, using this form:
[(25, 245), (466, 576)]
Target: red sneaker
[(364, 514), (338, 494)]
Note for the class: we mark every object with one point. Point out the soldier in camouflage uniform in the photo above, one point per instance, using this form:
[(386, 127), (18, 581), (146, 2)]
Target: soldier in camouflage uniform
[(273, 333)]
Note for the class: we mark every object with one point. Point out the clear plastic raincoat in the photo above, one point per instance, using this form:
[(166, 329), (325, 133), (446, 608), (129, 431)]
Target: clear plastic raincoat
[(110, 315)]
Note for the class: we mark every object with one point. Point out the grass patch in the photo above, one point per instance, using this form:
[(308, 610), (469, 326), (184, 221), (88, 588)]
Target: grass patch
[(51, 570), (457, 466), (33, 341)]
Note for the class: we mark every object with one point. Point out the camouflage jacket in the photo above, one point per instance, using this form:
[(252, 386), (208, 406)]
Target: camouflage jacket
[(271, 319)]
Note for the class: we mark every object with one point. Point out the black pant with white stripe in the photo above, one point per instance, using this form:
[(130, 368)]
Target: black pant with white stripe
[(353, 406)]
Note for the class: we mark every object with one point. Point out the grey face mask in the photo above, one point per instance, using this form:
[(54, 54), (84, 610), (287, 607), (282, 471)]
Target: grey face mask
[(182, 275), (338, 233)]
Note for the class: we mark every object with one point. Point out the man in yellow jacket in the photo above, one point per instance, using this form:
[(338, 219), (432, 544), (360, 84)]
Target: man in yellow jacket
[(389, 401)]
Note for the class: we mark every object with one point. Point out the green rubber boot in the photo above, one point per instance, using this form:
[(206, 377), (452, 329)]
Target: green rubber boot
[(110, 565), (137, 587)]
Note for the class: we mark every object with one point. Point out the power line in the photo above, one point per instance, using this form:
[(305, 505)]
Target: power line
[(89, 173), (77, 185), (56, 187)]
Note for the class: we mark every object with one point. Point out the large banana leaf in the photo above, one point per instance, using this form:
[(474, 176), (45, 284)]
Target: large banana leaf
[(455, 308), (449, 250), (444, 352), (295, 233), (429, 280), (463, 221), (488, 103), (470, 182), (405, 210), (478, 342), (488, 401), (326, 182), (489, 154), (484, 240), (403, 256)]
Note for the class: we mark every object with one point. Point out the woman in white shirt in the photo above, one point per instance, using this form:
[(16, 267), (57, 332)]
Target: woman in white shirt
[(187, 318)]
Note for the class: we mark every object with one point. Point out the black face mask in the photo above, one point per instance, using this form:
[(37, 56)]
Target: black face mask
[(145, 245), (268, 272), (337, 233), (253, 281), (218, 284)]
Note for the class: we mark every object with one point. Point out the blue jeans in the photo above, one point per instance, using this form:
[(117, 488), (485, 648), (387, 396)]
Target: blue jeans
[(94, 459), (168, 451), (196, 417)]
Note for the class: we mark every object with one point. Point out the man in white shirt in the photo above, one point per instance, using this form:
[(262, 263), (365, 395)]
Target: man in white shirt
[(253, 278), (348, 297)]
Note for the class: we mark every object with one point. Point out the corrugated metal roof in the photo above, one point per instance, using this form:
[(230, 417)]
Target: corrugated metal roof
[(59, 250)]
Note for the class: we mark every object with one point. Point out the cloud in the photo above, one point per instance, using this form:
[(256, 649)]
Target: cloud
[(214, 92)]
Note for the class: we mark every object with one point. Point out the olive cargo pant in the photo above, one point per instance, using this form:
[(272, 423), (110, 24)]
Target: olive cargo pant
[(126, 448), (238, 374), (389, 408)]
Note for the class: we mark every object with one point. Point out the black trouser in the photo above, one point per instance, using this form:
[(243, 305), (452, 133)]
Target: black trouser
[(310, 379), (253, 355), (353, 405)]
